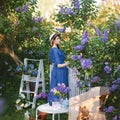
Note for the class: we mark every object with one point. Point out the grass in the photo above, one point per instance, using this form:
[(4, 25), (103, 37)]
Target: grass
[(10, 92)]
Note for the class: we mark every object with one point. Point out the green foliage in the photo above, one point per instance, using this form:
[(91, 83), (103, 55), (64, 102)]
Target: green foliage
[(77, 14)]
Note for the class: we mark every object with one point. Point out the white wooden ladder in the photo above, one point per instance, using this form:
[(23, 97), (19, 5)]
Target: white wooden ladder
[(36, 81)]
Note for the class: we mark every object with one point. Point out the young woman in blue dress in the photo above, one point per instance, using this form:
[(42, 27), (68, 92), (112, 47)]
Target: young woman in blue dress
[(59, 72)]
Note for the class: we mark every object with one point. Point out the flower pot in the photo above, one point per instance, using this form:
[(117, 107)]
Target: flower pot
[(42, 115)]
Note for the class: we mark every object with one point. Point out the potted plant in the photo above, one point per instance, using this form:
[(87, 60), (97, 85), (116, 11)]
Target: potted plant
[(42, 97), (62, 91)]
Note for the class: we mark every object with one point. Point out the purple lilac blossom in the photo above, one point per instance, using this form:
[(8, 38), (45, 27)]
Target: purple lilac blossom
[(98, 31), (79, 57), (95, 79), (42, 95), (86, 63), (109, 109), (62, 10), (105, 36), (117, 81), (73, 57), (79, 84), (113, 88), (79, 47), (40, 19), (76, 4), (68, 11), (61, 30), (85, 38), (17, 9), (107, 69)]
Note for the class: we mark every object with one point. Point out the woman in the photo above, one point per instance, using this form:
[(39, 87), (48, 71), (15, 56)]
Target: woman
[(59, 73)]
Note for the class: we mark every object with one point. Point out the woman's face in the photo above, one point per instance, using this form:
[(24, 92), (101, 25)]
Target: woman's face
[(57, 40)]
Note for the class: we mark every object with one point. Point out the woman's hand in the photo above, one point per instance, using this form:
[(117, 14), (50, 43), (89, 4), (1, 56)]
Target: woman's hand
[(67, 63)]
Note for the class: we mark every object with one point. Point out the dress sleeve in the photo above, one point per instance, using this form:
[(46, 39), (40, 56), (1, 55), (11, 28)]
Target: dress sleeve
[(55, 57)]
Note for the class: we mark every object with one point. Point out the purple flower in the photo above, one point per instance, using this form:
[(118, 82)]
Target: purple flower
[(85, 38), (76, 4), (109, 109), (42, 95), (40, 19), (79, 84), (113, 88), (98, 31), (86, 63), (79, 57), (105, 36), (68, 11), (84, 41), (107, 69), (61, 30), (17, 9), (117, 81), (73, 57), (62, 10), (95, 79), (79, 47)]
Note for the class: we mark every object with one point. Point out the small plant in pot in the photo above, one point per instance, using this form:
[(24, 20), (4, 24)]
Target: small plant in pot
[(42, 97)]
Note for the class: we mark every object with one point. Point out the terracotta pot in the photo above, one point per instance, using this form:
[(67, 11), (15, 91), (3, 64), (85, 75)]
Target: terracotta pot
[(42, 115)]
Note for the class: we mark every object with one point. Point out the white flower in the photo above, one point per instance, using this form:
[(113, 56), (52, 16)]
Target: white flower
[(22, 105), (27, 105), (22, 96), (18, 101)]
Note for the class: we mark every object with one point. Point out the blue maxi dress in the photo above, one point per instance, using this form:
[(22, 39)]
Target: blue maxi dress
[(58, 75)]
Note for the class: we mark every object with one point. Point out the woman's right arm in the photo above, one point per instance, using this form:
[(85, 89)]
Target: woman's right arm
[(63, 65)]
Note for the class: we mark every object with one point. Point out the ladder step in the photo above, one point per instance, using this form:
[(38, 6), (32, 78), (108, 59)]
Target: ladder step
[(25, 91), (29, 80)]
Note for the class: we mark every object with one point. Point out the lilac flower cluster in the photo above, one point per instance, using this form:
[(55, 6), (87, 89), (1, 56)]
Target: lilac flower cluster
[(95, 79), (61, 90), (39, 19), (42, 95), (104, 36), (115, 85), (23, 9), (61, 30), (109, 109), (76, 4), (107, 69), (86, 63), (66, 11)]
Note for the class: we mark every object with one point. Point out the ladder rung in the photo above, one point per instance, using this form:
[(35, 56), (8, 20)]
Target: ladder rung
[(29, 80), (25, 91)]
